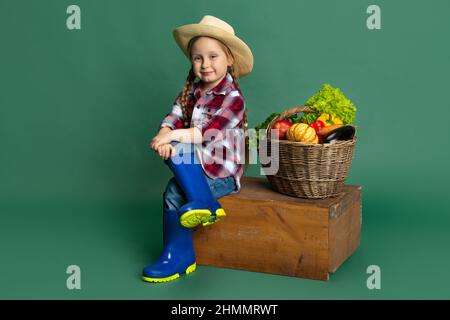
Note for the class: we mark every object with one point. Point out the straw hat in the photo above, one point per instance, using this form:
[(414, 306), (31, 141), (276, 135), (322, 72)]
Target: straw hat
[(214, 27)]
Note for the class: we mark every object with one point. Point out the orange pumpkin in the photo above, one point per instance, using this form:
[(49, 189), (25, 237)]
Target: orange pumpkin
[(301, 132)]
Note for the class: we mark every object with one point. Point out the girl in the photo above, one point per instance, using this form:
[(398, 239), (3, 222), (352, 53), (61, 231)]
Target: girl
[(203, 115)]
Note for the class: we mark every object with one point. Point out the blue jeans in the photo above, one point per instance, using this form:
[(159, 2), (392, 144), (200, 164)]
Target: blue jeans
[(174, 197)]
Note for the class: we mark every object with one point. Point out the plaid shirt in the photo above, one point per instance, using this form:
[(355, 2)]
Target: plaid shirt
[(218, 110)]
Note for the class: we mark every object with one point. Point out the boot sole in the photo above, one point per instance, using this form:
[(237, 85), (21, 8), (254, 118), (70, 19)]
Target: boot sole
[(220, 213), (188, 270), (193, 218)]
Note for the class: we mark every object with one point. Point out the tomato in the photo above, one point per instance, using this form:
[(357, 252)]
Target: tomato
[(320, 123), (317, 125)]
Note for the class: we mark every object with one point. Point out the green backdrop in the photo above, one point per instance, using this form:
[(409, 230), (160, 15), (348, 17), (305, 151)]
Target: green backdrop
[(79, 185)]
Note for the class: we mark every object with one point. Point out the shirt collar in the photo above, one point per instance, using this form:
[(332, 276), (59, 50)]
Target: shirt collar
[(224, 86)]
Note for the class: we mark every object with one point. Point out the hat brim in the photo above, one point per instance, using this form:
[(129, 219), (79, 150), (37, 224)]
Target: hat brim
[(241, 52)]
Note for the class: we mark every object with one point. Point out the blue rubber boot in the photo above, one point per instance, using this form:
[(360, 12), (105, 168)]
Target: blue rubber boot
[(178, 256), (201, 207)]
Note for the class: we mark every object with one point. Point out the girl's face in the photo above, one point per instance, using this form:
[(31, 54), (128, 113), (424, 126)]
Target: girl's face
[(209, 61)]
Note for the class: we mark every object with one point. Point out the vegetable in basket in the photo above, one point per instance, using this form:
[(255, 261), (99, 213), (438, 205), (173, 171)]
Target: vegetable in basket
[(329, 119), (282, 126), (263, 125), (301, 132), (319, 124), (331, 101), (341, 133)]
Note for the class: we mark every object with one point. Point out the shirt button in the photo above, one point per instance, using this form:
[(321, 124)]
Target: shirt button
[(198, 107)]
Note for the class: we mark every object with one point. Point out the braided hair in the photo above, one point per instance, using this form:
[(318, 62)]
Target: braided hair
[(187, 115)]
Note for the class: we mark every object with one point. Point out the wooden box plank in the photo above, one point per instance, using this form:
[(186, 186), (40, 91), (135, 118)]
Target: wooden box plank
[(266, 231)]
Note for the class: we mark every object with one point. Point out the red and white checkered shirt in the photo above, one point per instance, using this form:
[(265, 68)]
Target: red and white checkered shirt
[(219, 115)]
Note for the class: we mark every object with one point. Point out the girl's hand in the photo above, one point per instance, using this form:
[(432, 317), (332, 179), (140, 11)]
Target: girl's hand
[(166, 151), (161, 139)]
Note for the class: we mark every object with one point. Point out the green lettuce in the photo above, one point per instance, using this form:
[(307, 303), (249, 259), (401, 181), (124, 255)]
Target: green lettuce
[(332, 101)]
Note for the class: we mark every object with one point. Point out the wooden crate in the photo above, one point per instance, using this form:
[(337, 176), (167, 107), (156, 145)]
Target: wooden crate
[(266, 231)]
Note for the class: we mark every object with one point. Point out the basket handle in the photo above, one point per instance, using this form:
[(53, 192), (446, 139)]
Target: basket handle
[(286, 114)]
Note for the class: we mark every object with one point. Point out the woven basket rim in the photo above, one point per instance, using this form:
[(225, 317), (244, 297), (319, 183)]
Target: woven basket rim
[(337, 143)]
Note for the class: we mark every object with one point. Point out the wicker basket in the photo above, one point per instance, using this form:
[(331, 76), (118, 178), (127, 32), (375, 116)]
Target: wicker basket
[(309, 170)]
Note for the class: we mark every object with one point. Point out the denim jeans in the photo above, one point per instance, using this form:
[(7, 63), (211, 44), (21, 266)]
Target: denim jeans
[(174, 197)]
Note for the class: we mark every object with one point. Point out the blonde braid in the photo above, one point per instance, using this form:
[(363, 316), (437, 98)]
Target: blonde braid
[(235, 76), (187, 114)]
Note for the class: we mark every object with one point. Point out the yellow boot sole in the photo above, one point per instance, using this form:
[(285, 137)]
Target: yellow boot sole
[(193, 218), (189, 269), (220, 213)]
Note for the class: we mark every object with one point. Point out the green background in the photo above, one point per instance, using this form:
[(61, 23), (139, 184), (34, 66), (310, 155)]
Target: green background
[(79, 185)]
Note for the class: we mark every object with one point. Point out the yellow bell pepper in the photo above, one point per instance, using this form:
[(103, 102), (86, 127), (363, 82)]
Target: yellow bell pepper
[(329, 120)]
